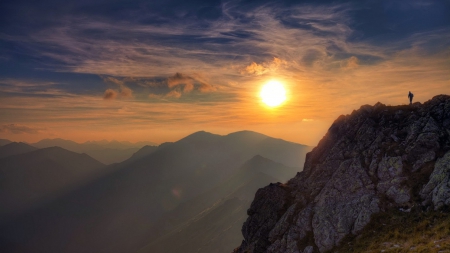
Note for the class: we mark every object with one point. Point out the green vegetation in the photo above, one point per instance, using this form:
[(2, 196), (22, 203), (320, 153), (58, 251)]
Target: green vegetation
[(396, 231)]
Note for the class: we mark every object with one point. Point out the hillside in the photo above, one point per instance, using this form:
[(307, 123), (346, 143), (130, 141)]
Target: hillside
[(4, 142), (35, 177), (117, 212), (15, 148), (377, 159), (211, 221), (399, 231), (144, 151), (106, 152)]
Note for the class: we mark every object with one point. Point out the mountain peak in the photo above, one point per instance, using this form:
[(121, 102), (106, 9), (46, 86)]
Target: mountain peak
[(199, 136), (373, 160), (246, 133), (15, 148)]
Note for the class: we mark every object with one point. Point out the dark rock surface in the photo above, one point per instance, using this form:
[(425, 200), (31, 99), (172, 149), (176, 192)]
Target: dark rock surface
[(378, 157)]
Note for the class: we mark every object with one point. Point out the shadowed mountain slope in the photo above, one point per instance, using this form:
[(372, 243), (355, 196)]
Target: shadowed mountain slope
[(115, 213), (4, 142), (15, 148), (144, 151), (211, 221), (107, 152), (377, 159), (38, 176)]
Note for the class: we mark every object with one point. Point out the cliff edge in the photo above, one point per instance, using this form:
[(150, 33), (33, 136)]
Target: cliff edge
[(377, 158)]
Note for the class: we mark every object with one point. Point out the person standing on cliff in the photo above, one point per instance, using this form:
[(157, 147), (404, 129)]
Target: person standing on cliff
[(410, 96)]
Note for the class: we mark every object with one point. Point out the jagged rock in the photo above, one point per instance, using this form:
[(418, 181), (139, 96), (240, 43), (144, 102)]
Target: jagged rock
[(267, 208), (378, 157), (437, 190), (308, 249)]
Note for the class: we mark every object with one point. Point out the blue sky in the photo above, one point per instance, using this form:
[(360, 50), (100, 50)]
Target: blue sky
[(159, 70)]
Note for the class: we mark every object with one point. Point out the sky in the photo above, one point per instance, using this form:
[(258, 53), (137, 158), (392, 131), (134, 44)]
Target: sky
[(160, 70)]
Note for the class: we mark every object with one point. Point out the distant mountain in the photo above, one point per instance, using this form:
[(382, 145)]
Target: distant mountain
[(65, 144), (116, 212), (41, 175), (107, 152), (144, 151), (15, 148), (120, 144), (212, 221), (4, 142), (109, 155)]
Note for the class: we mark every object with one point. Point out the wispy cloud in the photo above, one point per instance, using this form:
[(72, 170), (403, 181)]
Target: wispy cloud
[(18, 129), (110, 94), (206, 72), (122, 92)]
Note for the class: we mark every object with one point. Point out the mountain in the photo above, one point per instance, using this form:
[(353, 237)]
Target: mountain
[(211, 222), (378, 160), (120, 144), (107, 152), (15, 148), (32, 178), (65, 144), (144, 151), (4, 142), (109, 155), (116, 212)]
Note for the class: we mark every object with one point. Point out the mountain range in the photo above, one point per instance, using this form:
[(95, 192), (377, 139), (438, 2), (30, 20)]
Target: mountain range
[(15, 148), (107, 152), (40, 175), (141, 202)]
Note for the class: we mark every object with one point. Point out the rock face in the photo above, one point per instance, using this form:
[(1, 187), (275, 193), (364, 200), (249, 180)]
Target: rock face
[(378, 157)]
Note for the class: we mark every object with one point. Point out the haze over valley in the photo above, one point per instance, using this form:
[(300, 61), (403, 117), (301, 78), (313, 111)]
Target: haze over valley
[(143, 202)]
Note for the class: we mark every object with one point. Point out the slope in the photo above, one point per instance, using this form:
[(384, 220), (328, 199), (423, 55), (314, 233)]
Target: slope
[(4, 142), (38, 176), (15, 148), (374, 160), (211, 222), (103, 151), (115, 213)]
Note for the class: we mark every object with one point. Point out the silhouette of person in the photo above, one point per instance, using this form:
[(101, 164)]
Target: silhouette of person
[(410, 96)]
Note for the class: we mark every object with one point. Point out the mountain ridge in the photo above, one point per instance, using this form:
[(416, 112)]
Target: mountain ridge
[(375, 159), (114, 213), (41, 175), (15, 148), (107, 152)]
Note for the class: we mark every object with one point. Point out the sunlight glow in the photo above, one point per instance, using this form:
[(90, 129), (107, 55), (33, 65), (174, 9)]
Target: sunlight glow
[(273, 93)]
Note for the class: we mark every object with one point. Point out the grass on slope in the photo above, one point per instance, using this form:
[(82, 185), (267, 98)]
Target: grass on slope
[(396, 231)]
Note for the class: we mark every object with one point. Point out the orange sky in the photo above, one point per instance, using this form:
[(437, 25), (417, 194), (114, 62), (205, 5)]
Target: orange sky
[(92, 78)]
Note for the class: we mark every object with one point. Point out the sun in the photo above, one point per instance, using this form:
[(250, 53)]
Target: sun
[(273, 93)]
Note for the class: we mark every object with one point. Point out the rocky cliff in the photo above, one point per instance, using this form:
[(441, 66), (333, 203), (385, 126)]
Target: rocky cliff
[(377, 158)]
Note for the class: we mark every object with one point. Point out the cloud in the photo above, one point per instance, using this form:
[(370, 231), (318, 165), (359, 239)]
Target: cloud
[(173, 94), (18, 129), (255, 68), (350, 63), (110, 94), (125, 92), (122, 92), (307, 120), (189, 83), (110, 79), (173, 86), (311, 56), (152, 95), (264, 67)]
